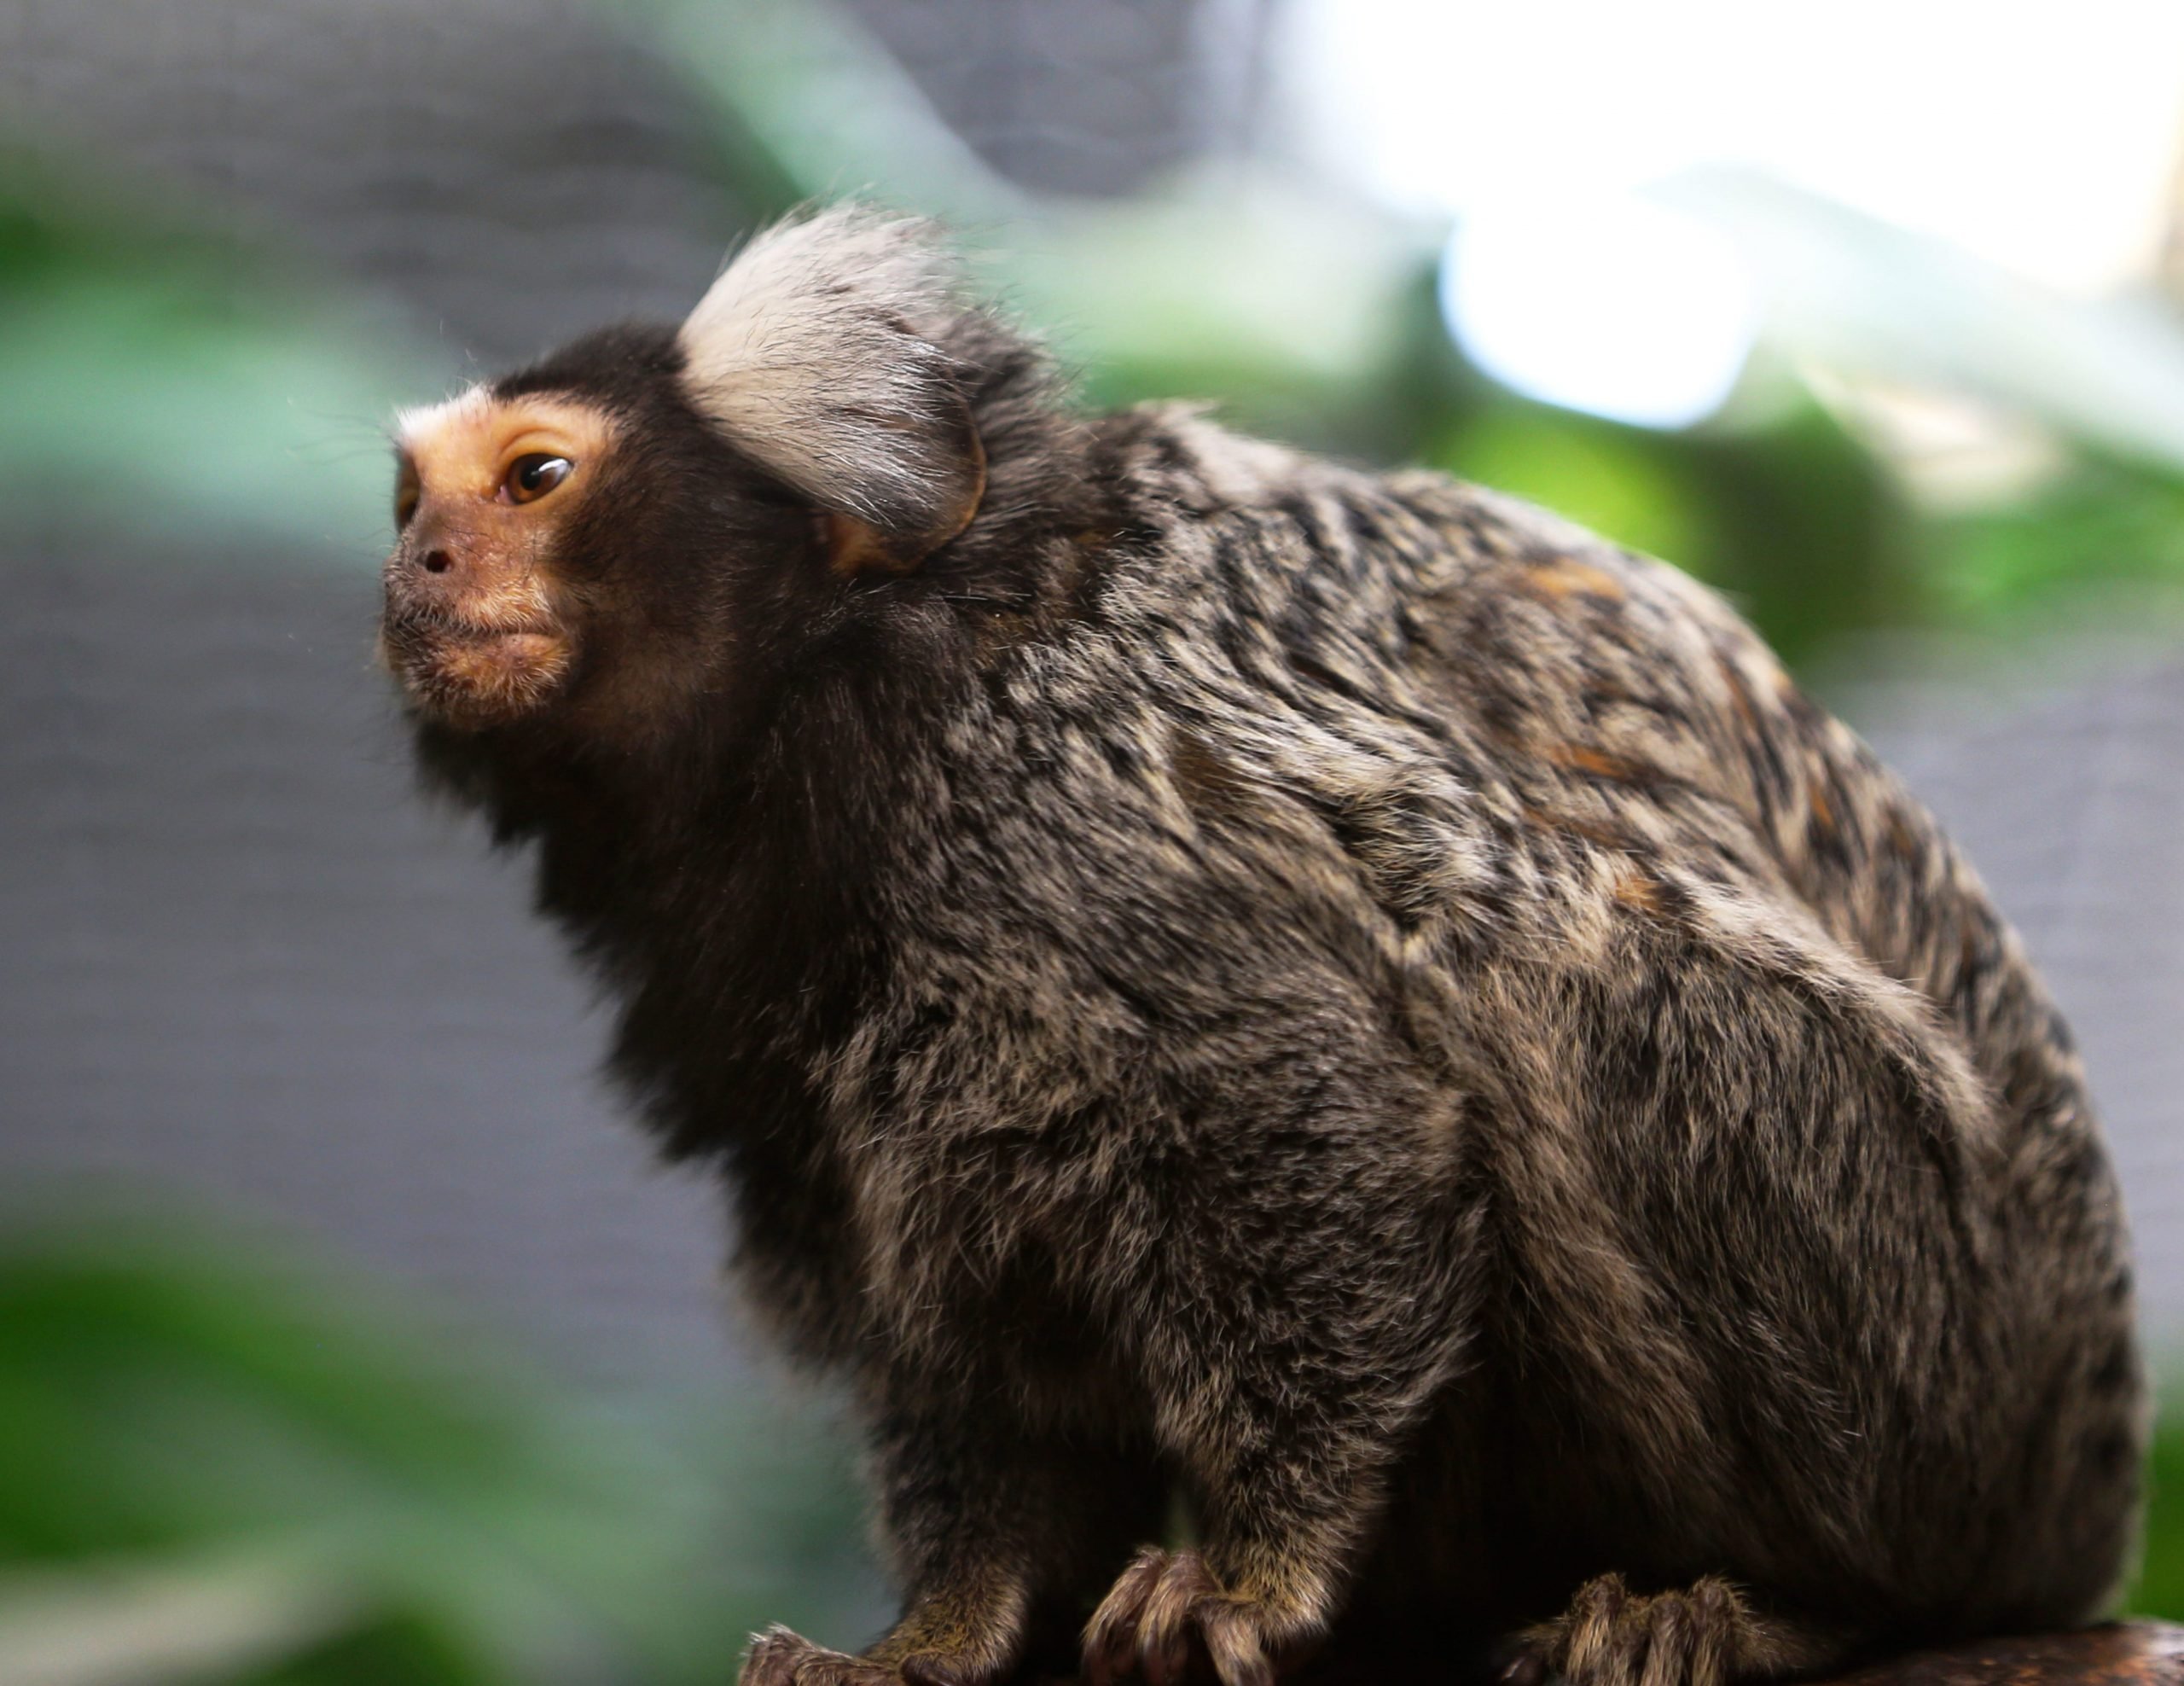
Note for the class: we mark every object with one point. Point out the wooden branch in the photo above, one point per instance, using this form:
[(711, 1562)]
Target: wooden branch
[(2126, 1654), (2122, 1654)]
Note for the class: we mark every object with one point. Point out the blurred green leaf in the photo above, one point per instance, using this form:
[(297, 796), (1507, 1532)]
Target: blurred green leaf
[(809, 105), (208, 1617), (190, 1426), (2100, 533), (174, 388), (2160, 1588)]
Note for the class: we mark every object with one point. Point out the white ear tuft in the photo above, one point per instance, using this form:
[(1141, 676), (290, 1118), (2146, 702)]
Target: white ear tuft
[(813, 351)]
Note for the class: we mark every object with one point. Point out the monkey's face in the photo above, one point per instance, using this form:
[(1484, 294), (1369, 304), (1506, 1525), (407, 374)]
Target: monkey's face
[(654, 525), (478, 625)]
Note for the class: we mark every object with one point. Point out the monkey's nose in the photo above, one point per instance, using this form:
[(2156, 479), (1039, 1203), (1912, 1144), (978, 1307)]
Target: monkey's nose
[(437, 562)]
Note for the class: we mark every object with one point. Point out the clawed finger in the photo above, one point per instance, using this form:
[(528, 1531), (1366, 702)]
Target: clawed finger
[(1111, 1637), (1166, 1606)]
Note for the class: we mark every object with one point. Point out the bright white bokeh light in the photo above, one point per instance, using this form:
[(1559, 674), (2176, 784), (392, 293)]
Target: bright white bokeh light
[(1602, 303), (2039, 135)]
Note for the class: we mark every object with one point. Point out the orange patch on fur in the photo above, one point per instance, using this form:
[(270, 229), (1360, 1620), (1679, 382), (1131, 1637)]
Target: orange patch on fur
[(1578, 758), (1634, 890), (856, 547), (1567, 577)]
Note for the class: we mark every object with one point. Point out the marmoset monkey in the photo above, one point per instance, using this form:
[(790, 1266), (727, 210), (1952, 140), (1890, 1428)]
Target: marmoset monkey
[(1323, 1007)]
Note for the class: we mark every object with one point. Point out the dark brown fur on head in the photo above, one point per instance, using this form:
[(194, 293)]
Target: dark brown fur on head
[(1335, 999)]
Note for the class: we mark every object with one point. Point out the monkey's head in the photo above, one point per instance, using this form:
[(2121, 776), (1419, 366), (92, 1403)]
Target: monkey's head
[(612, 540)]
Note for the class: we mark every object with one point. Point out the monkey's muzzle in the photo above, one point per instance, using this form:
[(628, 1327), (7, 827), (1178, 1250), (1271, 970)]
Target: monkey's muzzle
[(469, 649)]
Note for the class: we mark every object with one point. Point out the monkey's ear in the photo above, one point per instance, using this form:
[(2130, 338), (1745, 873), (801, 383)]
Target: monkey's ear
[(818, 352)]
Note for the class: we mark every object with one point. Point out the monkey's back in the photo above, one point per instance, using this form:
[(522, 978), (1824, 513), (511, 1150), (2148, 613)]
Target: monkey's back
[(1716, 990)]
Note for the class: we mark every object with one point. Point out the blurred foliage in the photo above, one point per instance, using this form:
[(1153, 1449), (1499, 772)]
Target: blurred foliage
[(166, 383), (2104, 530), (219, 1463), (2160, 1588), (1857, 294)]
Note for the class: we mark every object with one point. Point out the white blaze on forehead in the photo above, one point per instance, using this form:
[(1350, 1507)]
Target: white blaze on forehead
[(422, 423), (812, 353)]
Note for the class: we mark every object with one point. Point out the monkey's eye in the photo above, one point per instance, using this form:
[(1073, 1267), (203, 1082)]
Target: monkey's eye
[(534, 476), (407, 492)]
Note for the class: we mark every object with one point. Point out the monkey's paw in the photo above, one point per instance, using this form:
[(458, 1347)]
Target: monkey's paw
[(780, 1658), (1167, 1600), (1703, 1635)]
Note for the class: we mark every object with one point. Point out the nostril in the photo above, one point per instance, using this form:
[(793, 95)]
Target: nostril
[(437, 561)]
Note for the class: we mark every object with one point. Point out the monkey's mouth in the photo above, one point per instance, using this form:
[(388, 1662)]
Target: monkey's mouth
[(474, 672)]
